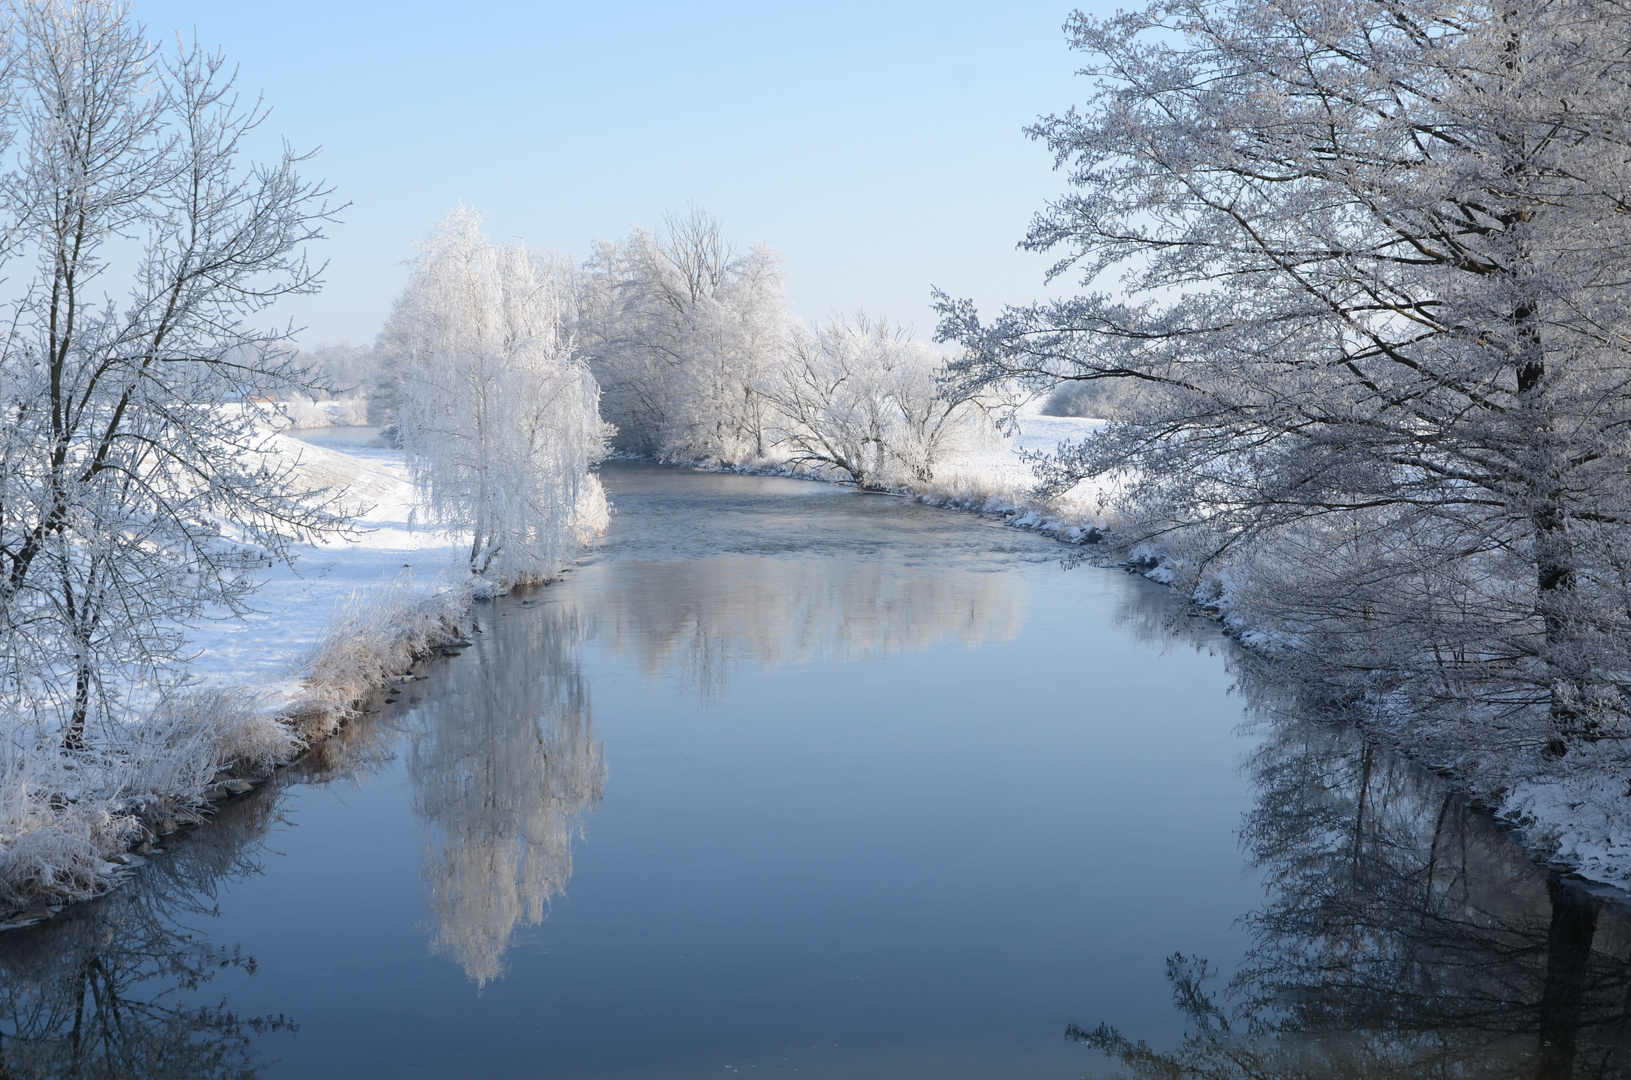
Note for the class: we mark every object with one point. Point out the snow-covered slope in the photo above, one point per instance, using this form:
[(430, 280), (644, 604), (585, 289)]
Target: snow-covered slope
[(389, 547)]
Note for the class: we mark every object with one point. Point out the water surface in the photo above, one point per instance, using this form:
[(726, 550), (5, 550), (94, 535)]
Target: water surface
[(786, 778)]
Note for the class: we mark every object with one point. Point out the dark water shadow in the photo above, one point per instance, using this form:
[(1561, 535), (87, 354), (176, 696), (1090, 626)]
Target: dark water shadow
[(1404, 935)]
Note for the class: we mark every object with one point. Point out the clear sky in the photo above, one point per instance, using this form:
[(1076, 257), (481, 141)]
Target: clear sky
[(875, 145)]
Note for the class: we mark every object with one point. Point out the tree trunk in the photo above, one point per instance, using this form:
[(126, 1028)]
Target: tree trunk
[(1568, 954), (74, 737), (1553, 553)]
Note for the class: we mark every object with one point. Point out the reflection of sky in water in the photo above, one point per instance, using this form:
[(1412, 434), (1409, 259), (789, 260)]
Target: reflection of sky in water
[(790, 777)]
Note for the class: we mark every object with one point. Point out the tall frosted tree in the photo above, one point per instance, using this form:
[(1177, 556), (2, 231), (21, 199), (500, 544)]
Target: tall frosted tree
[(135, 490), (497, 412), (1375, 266), (681, 331)]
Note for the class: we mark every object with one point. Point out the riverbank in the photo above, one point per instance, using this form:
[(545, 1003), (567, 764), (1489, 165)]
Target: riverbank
[(343, 618), (351, 614)]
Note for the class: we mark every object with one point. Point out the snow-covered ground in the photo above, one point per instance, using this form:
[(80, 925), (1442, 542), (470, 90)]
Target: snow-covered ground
[(342, 617), (996, 478), (1001, 465), (390, 548)]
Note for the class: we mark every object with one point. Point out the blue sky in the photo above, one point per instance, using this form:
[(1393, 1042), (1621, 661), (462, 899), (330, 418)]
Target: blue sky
[(877, 146)]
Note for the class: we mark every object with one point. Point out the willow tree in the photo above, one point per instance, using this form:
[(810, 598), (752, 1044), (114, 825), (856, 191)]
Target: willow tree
[(1374, 264), (495, 408)]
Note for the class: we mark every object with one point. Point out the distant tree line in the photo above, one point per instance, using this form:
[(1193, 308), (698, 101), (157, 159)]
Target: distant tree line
[(491, 366)]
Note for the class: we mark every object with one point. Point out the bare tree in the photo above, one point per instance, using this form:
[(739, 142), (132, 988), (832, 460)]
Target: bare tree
[(135, 488), (1377, 261)]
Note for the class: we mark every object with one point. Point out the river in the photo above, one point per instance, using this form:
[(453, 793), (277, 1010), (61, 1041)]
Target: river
[(790, 779)]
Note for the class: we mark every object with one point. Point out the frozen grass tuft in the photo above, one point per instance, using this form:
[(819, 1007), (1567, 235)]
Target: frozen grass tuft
[(54, 846), (373, 636)]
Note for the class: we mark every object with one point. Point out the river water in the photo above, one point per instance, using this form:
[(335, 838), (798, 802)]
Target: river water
[(789, 779)]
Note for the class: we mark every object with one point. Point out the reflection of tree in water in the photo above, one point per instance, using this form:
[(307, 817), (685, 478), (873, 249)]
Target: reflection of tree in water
[(109, 989), (504, 761), (1404, 936), (705, 616)]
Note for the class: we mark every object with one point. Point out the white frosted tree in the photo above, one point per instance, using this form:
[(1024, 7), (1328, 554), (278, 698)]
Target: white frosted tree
[(141, 247), (862, 397), (1375, 258), (498, 414), (681, 331)]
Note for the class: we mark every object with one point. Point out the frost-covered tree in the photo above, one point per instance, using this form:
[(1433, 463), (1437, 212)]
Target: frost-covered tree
[(680, 332), (862, 397), (498, 414), (140, 249), (1376, 259)]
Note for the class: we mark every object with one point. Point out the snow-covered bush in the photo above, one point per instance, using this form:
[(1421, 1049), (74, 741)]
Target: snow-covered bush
[(861, 397), (52, 848), (497, 412), (63, 819)]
